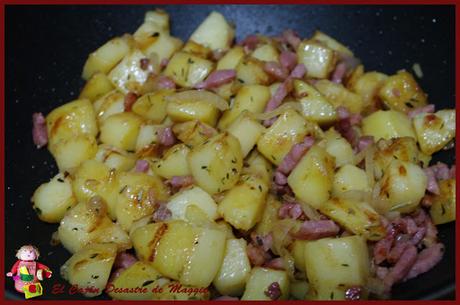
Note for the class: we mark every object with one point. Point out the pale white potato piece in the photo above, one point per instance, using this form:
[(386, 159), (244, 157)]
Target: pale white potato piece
[(194, 196), (350, 178), (318, 59), (335, 264), (235, 270), (387, 124), (259, 281), (247, 130), (128, 75), (214, 32)]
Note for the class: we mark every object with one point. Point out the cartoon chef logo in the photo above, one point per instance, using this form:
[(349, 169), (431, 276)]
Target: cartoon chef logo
[(27, 272)]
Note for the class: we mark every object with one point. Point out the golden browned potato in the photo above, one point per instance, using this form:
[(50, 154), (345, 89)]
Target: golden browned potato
[(188, 70), (89, 268), (106, 57), (444, 205), (434, 130), (216, 164), (98, 85), (51, 200), (290, 128), (401, 92), (312, 178)]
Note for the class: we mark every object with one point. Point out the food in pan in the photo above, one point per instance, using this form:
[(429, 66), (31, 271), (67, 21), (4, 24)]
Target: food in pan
[(268, 169)]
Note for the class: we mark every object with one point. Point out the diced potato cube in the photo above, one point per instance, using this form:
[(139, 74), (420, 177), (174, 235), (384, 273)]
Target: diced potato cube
[(243, 205), (444, 205), (90, 268), (128, 75), (298, 253), (252, 98), (94, 178), (159, 17), (350, 178), (247, 130), (231, 59), (318, 59), (163, 45), (339, 148), (311, 180), (106, 57), (338, 95), (135, 197), (188, 70), (261, 279), (269, 216), (52, 199), (250, 71), (331, 43), (387, 124), (181, 110), (259, 167), (111, 103), (180, 250), (83, 224), (147, 139), (194, 196), (403, 185), (435, 130), (214, 32), (203, 265), (315, 106), (115, 158), (357, 217), (193, 133), (70, 153), (70, 120), (235, 270), (216, 164), (196, 49), (266, 52), (401, 92), (173, 163), (290, 128), (167, 245), (152, 106), (368, 85), (141, 275), (121, 130), (98, 85), (335, 264), (403, 149)]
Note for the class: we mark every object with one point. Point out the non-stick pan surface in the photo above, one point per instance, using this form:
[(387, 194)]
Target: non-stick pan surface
[(47, 46)]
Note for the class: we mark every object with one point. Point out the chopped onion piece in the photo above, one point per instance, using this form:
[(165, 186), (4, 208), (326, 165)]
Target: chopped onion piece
[(199, 95)]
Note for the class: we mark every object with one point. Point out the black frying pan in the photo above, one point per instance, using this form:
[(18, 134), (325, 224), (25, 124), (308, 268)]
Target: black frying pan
[(47, 46)]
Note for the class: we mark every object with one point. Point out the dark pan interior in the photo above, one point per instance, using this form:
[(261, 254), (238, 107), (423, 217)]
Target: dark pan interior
[(47, 46)]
